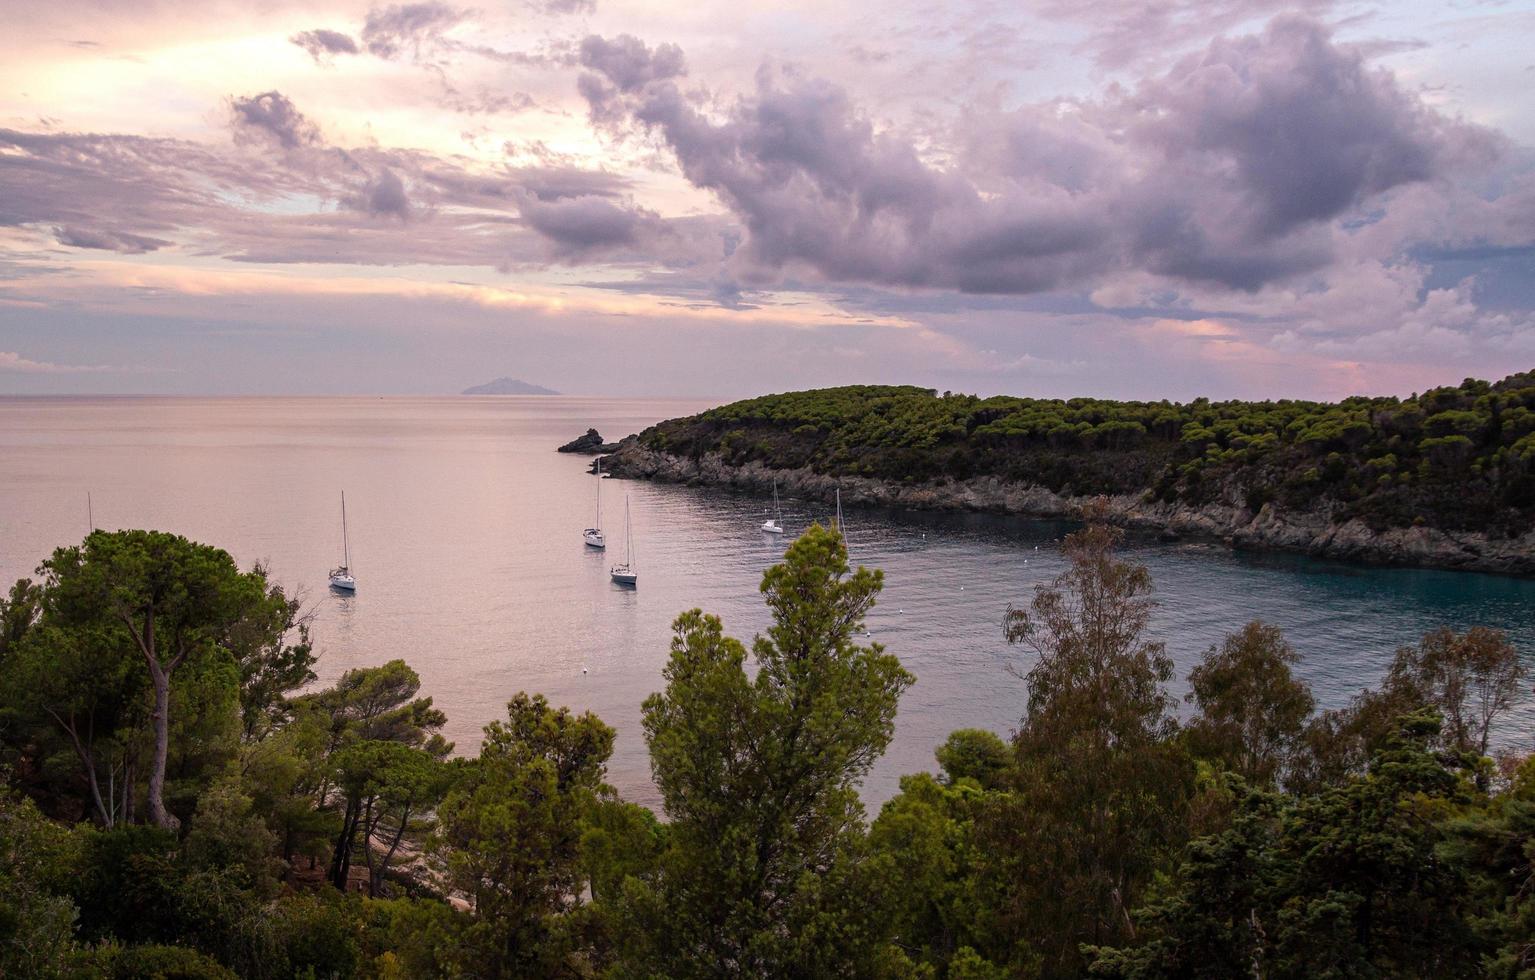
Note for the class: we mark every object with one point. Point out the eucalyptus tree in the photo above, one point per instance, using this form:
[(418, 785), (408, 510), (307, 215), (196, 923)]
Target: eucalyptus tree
[(1100, 781), (1252, 708)]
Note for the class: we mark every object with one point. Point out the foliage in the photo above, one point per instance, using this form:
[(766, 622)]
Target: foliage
[(974, 753), (1349, 882), (1101, 782), (511, 829), (1260, 839), (1455, 457), (764, 863), (37, 859), (1252, 710), (112, 620), (148, 962)]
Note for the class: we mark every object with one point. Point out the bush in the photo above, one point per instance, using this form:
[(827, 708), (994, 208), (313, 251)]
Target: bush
[(974, 753), (147, 962)]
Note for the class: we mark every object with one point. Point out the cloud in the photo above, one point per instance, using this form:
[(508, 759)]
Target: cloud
[(389, 31), (322, 44), (628, 63), (281, 194), (566, 6), (1230, 169), (1122, 33), (582, 225), (114, 241), (1303, 128), (13, 363), (273, 116), (383, 196)]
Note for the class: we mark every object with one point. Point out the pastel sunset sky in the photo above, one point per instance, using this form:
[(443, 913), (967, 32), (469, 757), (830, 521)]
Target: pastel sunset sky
[(625, 197)]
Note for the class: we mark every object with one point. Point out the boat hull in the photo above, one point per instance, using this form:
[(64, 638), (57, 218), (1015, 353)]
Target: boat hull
[(343, 583), (594, 539), (623, 576), (771, 527)]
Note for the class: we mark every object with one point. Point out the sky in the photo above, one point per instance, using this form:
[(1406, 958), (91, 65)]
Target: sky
[(1126, 198)]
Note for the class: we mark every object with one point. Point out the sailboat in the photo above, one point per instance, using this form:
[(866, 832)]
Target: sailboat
[(342, 578), (838, 522), (593, 535), (774, 524), (625, 574)]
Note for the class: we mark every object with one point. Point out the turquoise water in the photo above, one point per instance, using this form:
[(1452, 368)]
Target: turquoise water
[(466, 540)]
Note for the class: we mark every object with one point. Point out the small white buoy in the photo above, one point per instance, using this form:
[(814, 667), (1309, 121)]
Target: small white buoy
[(901, 611), (583, 670)]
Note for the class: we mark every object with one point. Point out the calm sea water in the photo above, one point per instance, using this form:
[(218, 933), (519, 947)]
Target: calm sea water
[(466, 541)]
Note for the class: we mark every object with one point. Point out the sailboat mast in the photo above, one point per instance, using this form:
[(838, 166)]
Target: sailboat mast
[(346, 548), (598, 525), (90, 515), (628, 536)]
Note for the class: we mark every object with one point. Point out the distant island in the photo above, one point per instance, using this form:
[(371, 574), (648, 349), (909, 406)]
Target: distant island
[(1445, 478), (508, 386)]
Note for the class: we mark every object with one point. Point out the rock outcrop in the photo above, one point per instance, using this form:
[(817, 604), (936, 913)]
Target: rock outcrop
[(1312, 532), (591, 444)]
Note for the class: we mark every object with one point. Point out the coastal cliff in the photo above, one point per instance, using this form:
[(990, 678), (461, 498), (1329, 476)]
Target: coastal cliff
[(1316, 532)]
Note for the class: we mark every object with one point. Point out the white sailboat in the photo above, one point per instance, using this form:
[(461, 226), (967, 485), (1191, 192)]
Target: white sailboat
[(593, 535), (774, 524), (341, 578), (837, 523), (625, 574)]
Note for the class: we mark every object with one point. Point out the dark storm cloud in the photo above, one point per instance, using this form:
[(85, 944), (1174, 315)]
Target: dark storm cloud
[(273, 116), (322, 44), (107, 240), (1227, 169), (389, 31)]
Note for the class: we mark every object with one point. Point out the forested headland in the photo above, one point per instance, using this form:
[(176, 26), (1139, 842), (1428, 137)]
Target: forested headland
[(1445, 477), (181, 799)]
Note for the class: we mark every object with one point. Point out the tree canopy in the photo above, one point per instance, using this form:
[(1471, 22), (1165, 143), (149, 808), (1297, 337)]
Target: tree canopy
[(1457, 457)]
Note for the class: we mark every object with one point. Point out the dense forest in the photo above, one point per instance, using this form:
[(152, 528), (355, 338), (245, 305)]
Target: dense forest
[(180, 799), (1456, 458)]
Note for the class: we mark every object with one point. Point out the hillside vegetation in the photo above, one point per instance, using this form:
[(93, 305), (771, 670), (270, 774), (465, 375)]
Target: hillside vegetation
[(1458, 457), (257, 825)]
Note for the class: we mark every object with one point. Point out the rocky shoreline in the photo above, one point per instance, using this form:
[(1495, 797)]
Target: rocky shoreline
[(1312, 532)]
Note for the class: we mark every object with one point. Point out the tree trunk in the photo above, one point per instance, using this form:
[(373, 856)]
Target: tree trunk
[(88, 763), (160, 816), (160, 674), (341, 861), (383, 868)]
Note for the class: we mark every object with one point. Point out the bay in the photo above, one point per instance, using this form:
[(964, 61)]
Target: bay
[(466, 541)]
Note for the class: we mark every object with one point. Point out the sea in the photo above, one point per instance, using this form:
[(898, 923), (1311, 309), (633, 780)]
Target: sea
[(465, 534)]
